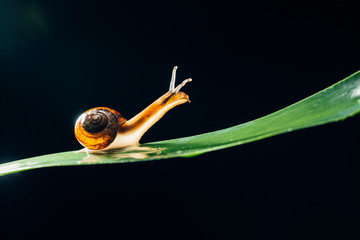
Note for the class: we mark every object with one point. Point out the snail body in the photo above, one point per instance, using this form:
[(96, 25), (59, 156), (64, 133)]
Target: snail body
[(103, 129)]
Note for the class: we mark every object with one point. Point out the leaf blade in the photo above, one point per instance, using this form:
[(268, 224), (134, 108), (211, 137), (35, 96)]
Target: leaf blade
[(334, 103)]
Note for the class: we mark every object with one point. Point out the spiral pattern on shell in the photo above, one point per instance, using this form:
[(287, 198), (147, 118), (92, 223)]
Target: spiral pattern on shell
[(96, 120), (97, 128)]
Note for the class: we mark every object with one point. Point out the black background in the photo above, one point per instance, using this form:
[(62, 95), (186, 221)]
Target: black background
[(247, 59)]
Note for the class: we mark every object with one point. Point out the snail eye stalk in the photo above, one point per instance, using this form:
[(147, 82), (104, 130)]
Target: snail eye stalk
[(172, 87)]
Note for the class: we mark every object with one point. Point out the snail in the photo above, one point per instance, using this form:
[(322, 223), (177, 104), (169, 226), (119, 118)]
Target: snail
[(104, 129)]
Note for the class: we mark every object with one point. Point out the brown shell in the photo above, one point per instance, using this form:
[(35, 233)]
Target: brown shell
[(97, 128)]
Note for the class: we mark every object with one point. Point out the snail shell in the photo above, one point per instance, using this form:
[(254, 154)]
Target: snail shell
[(97, 128)]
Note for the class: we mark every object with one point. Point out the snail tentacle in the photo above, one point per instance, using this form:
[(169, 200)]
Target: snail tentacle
[(177, 89), (173, 76), (172, 87)]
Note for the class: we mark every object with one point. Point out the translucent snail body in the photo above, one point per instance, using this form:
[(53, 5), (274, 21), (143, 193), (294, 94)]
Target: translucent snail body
[(103, 129)]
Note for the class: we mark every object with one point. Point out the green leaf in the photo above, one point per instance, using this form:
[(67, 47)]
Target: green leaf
[(332, 104)]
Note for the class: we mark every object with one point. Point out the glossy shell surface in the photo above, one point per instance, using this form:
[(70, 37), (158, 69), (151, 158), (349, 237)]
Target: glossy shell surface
[(97, 128)]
